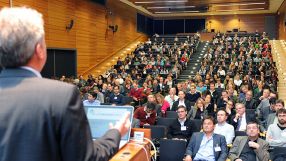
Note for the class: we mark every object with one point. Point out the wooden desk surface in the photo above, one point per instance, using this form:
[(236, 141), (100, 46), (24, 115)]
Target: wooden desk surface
[(133, 151)]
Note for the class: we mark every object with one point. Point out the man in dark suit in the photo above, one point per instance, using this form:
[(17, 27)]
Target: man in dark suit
[(240, 120), (182, 127), (47, 122), (181, 101), (248, 101), (207, 145)]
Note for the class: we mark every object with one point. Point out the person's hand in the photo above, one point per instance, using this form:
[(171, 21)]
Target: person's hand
[(188, 158), (253, 144), (163, 112), (135, 98), (269, 137), (237, 116), (123, 125), (238, 159)]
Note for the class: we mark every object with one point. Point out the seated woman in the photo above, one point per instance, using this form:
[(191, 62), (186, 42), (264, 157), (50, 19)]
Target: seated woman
[(209, 105), (163, 103), (198, 111)]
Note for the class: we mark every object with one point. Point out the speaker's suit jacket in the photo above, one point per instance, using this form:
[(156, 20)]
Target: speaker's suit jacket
[(44, 120), (218, 140)]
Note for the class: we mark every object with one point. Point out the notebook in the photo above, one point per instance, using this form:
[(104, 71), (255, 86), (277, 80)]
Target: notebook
[(99, 118)]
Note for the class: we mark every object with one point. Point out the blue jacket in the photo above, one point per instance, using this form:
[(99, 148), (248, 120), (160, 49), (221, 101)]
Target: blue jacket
[(219, 140)]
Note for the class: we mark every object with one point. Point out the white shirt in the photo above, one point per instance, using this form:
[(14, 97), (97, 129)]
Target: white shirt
[(181, 103), (237, 82), (226, 130), (170, 101), (242, 123)]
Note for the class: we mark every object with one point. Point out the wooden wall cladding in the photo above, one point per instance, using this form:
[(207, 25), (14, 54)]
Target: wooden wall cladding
[(248, 23), (282, 21), (90, 34)]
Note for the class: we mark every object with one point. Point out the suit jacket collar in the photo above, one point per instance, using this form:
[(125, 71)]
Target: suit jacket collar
[(242, 144), (16, 72)]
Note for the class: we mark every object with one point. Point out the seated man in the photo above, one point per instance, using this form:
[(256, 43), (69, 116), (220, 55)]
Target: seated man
[(276, 133), (248, 101), (181, 128), (172, 97), (207, 145), (272, 118), (91, 100), (240, 120), (146, 114), (265, 111), (250, 147), (115, 97), (136, 93), (181, 101), (223, 128)]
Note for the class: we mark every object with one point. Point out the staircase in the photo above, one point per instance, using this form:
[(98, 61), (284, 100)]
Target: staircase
[(195, 62)]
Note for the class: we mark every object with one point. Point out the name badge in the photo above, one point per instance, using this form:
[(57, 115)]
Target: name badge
[(217, 149), (183, 128), (115, 97)]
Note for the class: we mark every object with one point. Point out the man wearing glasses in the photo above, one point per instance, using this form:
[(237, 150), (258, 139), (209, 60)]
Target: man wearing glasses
[(181, 128)]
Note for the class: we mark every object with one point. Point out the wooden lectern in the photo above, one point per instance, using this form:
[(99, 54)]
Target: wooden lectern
[(134, 151)]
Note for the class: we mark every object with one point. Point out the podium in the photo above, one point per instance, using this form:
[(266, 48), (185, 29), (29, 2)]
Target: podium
[(134, 151)]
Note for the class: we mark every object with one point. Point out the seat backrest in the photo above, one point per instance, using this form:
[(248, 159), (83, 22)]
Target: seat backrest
[(158, 131), (240, 133), (172, 150), (126, 100), (279, 153), (165, 121), (171, 114), (197, 125)]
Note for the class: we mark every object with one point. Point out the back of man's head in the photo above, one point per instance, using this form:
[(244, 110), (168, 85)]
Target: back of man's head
[(20, 30)]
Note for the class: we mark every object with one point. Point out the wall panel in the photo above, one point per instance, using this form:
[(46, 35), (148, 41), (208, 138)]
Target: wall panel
[(282, 21), (90, 34), (248, 23)]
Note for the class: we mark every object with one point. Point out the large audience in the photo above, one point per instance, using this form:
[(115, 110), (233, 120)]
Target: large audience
[(236, 84)]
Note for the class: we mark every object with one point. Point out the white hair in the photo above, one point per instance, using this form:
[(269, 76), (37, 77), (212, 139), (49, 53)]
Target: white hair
[(21, 29)]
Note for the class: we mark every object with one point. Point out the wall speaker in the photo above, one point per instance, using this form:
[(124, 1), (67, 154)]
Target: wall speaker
[(114, 28), (70, 25)]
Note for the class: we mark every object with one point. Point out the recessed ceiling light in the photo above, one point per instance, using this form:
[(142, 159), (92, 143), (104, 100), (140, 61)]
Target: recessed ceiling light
[(177, 7), (250, 9), (146, 2), (178, 12), (163, 12), (246, 9), (238, 4)]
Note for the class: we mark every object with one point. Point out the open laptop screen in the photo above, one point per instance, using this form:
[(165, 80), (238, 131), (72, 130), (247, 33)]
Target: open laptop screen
[(100, 117)]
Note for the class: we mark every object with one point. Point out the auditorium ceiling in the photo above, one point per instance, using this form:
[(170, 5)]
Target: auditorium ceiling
[(171, 8)]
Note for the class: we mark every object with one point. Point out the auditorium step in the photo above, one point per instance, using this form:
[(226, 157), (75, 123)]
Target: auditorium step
[(195, 62)]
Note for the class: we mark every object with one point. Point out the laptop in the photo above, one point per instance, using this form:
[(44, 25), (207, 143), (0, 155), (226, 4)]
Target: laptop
[(99, 118)]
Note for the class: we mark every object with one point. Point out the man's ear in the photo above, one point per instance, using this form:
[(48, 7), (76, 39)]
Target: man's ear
[(39, 50)]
